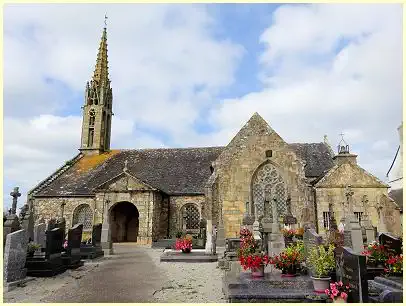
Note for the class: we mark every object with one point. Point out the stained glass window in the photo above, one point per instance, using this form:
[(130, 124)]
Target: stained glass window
[(83, 214)]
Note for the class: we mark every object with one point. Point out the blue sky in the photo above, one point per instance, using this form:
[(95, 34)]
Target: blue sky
[(192, 75)]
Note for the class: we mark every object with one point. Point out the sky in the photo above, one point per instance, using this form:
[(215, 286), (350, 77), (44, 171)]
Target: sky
[(192, 74)]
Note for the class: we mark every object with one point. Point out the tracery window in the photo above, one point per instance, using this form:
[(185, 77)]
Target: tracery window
[(267, 185), (191, 217), (83, 214)]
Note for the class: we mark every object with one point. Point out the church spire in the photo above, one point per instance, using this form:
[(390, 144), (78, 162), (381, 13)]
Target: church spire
[(101, 72), (97, 109)]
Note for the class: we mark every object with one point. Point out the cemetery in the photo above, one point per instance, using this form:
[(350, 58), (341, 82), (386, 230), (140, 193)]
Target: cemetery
[(42, 250), (272, 260)]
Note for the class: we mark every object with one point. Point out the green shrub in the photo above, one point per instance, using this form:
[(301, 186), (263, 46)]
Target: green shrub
[(320, 261)]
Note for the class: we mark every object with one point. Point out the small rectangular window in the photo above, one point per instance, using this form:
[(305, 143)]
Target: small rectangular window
[(326, 219), (358, 215), (268, 153)]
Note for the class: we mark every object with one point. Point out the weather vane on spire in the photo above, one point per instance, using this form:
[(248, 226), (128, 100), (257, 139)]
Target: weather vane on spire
[(105, 19)]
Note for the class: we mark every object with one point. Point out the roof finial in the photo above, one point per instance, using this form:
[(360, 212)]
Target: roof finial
[(125, 166), (105, 20), (343, 147)]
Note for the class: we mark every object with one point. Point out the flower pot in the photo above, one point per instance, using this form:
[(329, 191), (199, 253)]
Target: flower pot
[(290, 271), (321, 284), (339, 300), (258, 272), (185, 250)]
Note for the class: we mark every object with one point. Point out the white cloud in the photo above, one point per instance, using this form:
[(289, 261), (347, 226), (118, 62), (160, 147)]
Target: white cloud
[(309, 90), (160, 54)]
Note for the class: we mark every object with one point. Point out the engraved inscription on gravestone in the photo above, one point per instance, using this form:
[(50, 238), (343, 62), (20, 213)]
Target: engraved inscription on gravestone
[(353, 269), (392, 244)]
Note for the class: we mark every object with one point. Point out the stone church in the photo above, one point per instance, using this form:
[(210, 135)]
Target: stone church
[(150, 194)]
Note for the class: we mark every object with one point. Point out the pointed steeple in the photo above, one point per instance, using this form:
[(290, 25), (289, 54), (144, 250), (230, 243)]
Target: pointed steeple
[(101, 72), (97, 109)]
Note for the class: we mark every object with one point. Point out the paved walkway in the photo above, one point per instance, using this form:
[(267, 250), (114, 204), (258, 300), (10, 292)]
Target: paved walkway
[(130, 277)]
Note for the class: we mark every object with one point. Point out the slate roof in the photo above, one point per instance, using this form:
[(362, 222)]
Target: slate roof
[(173, 171), (397, 196)]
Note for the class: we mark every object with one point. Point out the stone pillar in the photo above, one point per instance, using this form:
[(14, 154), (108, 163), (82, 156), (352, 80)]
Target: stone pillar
[(105, 240), (276, 242), (209, 242)]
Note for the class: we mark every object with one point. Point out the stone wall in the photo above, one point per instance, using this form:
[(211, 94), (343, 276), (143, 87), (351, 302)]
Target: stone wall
[(48, 208), (236, 173), (175, 209), (364, 200)]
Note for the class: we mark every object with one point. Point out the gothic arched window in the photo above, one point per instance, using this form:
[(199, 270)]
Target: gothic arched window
[(267, 185), (191, 217), (83, 214)]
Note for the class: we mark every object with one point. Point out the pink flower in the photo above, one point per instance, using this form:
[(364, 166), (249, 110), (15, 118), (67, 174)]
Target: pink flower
[(344, 295), (332, 297), (327, 291), (332, 286), (340, 283), (335, 292)]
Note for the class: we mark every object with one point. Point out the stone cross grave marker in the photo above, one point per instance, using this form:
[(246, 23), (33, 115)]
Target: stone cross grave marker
[(15, 194), (27, 222), (15, 255), (39, 234), (352, 268), (392, 244), (96, 234)]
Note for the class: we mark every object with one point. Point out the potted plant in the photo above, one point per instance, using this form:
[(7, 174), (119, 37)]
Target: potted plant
[(184, 244), (31, 248), (376, 254), (338, 292), (321, 262), (287, 261), (394, 266), (288, 236), (250, 255)]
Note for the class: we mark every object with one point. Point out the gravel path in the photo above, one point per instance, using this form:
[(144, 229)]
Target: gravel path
[(134, 274), (190, 283)]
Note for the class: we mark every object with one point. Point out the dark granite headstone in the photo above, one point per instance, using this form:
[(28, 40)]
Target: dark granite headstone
[(72, 257), (54, 242), (232, 244), (96, 234), (50, 262), (51, 224), (391, 244), (353, 271)]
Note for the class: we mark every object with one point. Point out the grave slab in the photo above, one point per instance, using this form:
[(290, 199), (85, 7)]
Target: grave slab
[(271, 288), (192, 257)]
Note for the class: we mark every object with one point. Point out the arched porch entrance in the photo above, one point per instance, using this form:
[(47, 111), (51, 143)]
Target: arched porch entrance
[(124, 224)]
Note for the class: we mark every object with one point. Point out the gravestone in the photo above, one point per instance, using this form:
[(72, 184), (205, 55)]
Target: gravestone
[(28, 223), (48, 263), (94, 250), (352, 268), (310, 240), (39, 234), (51, 224), (391, 244), (276, 242), (15, 254), (61, 223), (72, 258), (12, 223)]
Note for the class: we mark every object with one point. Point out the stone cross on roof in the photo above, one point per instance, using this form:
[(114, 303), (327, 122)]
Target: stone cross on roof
[(125, 169), (15, 194)]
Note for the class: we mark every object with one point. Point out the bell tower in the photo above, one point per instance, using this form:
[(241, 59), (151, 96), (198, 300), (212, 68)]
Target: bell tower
[(97, 109)]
